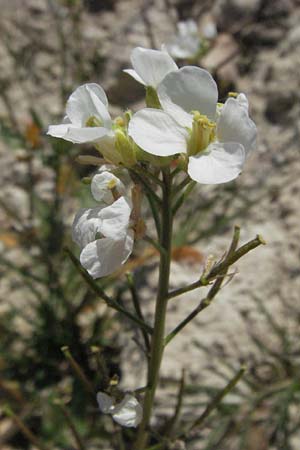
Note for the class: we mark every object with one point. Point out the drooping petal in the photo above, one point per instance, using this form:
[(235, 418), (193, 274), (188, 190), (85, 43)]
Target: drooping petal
[(188, 89), (81, 104), (129, 412), (157, 133), (115, 219), (79, 135), (235, 125), (152, 65), (59, 131), (104, 256), (105, 403), (134, 75), (219, 164), (86, 225), (102, 185)]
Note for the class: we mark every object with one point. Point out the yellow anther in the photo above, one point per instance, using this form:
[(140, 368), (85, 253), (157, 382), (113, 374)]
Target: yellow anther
[(112, 184), (119, 121), (232, 94)]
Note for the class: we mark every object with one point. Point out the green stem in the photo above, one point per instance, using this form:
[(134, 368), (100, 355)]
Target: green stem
[(77, 369), (77, 438), (24, 429), (157, 340), (216, 401), (147, 173), (109, 301), (152, 197), (180, 200), (154, 244), (174, 420), (138, 310), (181, 185), (190, 287)]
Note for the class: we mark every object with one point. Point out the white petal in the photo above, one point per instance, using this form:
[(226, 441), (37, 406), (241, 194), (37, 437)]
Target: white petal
[(102, 111), (234, 124), (182, 49), (134, 75), (115, 219), (81, 104), (104, 256), (120, 172), (152, 65), (188, 89), (219, 164), (59, 131), (157, 133), (129, 412), (86, 225), (105, 403), (81, 135), (243, 101), (101, 190)]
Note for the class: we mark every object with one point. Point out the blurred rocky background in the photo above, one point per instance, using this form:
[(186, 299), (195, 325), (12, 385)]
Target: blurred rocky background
[(48, 48)]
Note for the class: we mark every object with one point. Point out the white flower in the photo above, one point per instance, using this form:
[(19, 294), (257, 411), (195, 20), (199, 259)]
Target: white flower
[(216, 137), (150, 66), (87, 118), (127, 413), (186, 43), (103, 232), (102, 187)]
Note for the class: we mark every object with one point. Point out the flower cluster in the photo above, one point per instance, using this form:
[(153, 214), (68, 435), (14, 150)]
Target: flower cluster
[(207, 139), (103, 233), (187, 43)]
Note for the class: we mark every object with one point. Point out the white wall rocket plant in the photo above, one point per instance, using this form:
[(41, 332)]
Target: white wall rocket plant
[(182, 137), (187, 43)]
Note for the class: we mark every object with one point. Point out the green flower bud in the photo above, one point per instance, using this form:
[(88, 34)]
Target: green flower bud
[(125, 148)]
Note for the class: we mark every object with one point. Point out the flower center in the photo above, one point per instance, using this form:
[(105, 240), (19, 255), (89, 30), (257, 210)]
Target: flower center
[(94, 121), (203, 132), (112, 185)]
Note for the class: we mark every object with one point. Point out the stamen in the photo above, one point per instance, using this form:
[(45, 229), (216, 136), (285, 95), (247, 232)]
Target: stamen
[(94, 121), (202, 133)]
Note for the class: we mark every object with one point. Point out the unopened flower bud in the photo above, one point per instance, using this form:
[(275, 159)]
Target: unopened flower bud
[(126, 149)]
